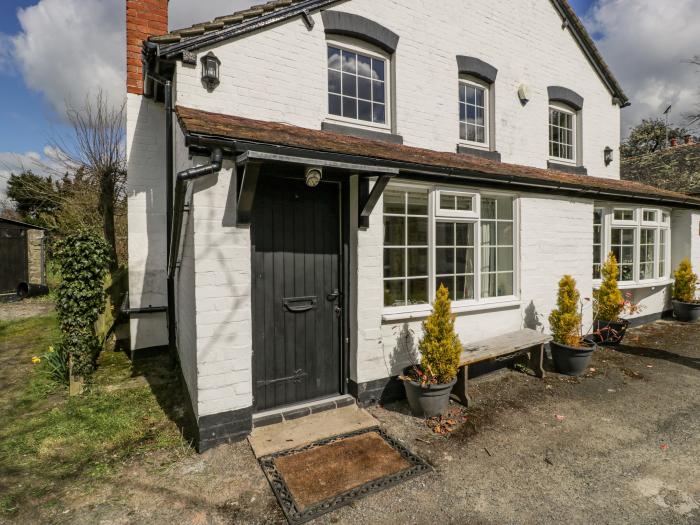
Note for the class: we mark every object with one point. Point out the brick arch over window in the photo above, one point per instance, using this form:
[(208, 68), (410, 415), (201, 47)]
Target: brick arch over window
[(355, 26), (476, 68), (565, 95)]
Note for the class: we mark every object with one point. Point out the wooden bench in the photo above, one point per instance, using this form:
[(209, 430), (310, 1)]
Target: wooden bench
[(501, 348)]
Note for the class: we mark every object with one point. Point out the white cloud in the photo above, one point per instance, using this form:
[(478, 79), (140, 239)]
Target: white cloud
[(647, 44), (41, 164)]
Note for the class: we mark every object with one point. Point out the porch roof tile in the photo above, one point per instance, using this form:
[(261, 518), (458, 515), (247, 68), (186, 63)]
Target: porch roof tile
[(198, 122)]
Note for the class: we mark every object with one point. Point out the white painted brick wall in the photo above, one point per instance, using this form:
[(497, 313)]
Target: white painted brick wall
[(145, 143), (685, 238), (279, 74), (222, 296)]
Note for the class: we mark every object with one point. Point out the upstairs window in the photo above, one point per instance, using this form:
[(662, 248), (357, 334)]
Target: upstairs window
[(562, 135), (473, 113), (357, 86)]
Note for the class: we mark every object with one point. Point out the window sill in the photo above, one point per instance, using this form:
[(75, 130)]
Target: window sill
[(363, 133), (423, 311), (637, 285), (566, 168), (465, 149)]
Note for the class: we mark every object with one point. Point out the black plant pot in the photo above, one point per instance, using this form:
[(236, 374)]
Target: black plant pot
[(428, 401), (610, 333), (686, 312), (572, 360)]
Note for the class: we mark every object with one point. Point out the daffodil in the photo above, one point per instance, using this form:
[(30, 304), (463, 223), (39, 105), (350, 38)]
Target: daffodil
[(36, 360), (50, 349)]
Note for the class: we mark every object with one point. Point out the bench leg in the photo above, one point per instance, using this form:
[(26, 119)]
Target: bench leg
[(537, 362), (460, 391)]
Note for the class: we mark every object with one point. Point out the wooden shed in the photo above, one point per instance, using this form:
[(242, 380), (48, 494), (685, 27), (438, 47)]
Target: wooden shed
[(22, 255)]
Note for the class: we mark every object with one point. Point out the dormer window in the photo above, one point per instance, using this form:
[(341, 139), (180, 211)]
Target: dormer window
[(357, 85)]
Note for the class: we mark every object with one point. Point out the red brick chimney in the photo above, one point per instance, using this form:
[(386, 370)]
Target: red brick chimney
[(674, 142), (688, 139), (144, 18)]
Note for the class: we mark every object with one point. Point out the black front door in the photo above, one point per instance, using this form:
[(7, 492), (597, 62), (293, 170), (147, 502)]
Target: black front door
[(296, 291)]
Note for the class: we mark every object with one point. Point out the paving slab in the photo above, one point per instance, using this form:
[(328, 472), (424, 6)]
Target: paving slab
[(303, 431)]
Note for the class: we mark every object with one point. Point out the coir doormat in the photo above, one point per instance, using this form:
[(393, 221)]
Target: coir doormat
[(315, 479)]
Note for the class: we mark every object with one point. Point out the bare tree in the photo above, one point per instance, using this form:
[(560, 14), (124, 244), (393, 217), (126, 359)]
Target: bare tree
[(694, 118), (95, 147)]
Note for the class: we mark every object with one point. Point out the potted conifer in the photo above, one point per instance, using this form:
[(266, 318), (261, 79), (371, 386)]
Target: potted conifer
[(428, 385), (609, 305), (685, 305), (570, 351)]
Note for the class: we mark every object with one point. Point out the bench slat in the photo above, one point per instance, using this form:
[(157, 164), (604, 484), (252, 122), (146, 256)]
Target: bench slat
[(502, 345)]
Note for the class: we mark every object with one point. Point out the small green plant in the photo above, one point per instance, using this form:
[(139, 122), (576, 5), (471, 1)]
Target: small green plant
[(565, 320), (609, 302), (55, 364), (440, 346), (84, 259), (685, 284)]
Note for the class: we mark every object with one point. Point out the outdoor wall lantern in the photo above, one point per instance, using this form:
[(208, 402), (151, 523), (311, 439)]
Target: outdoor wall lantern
[(608, 155), (313, 177), (210, 71)]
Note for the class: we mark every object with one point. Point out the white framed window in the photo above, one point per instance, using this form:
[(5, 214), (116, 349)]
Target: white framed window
[(598, 255), (457, 204), (474, 113), (639, 239), (471, 246), (358, 85), (562, 134)]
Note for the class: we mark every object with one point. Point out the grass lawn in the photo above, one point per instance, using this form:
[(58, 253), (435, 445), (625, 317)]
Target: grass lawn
[(51, 444)]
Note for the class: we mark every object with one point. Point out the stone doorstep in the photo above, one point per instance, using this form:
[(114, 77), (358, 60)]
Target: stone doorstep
[(288, 413), (301, 426)]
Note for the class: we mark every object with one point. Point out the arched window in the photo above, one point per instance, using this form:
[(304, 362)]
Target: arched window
[(477, 107), (565, 108)]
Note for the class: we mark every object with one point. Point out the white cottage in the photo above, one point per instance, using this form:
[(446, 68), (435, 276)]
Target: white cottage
[(305, 173)]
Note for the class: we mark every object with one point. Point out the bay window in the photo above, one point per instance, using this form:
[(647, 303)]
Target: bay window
[(639, 239), (463, 240)]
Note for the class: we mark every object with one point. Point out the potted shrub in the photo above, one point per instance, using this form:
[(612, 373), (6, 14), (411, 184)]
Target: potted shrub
[(428, 385), (570, 351), (609, 305), (685, 306)]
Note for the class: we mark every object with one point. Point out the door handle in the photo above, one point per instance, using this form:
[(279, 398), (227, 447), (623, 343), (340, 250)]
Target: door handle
[(335, 294), (295, 304)]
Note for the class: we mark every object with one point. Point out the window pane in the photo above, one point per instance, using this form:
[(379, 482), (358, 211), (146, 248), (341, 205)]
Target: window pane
[(417, 231), (464, 260), (394, 231), (417, 291), (627, 255), (447, 201), (364, 110), (349, 107), (505, 208), (394, 262), (488, 285), (418, 203), (480, 137), (488, 233), (378, 91), (334, 105), (417, 261), (394, 202), (444, 261), (364, 66), (333, 58), (334, 82), (349, 62), (465, 234), (378, 69), (488, 208), (504, 259), (444, 234), (623, 215), (504, 284), (394, 293), (628, 236), (464, 287), (364, 88), (378, 113), (349, 85), (488, 259), (448, 282), (480, 97)]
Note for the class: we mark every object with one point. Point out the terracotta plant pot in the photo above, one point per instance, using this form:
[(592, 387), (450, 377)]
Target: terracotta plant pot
[(610, 333), (686, 312), (572, 360), (430, 401)]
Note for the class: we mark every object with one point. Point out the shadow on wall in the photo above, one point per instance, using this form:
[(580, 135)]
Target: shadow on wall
[(405, 352), (532, 319)]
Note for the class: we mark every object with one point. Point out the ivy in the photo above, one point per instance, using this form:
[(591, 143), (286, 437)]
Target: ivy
[(84, 259)]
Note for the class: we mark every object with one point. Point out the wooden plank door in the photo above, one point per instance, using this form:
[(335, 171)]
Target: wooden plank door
[(296, 298)]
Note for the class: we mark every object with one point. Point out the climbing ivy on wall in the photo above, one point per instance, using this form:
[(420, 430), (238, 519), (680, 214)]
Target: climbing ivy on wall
[(84, 259)]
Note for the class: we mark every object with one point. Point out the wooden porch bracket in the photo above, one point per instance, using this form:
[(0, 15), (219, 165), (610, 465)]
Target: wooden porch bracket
[(246, 194), (368, 199)]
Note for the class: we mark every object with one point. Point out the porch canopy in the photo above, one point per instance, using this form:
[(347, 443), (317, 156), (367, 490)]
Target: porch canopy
[(254, 142)]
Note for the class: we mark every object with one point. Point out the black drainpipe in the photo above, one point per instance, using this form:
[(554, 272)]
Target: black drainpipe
[(172, 326), (181, 182)]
